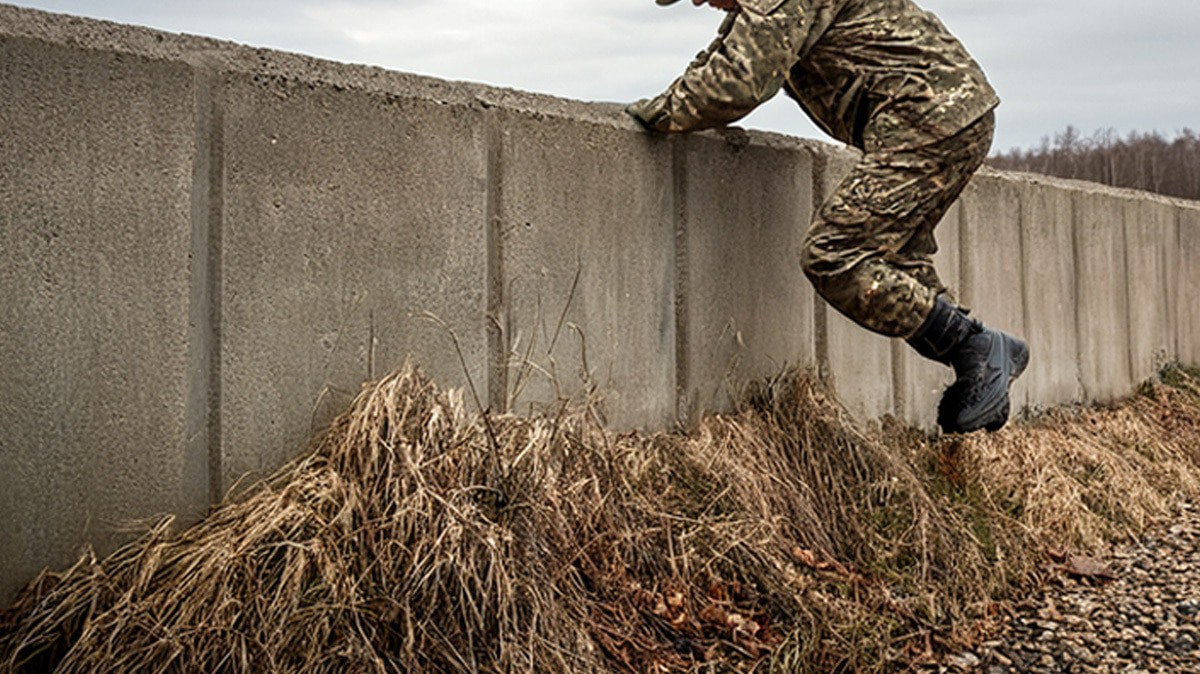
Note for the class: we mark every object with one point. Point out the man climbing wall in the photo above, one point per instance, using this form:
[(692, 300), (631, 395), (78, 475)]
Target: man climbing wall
[(888, 78)]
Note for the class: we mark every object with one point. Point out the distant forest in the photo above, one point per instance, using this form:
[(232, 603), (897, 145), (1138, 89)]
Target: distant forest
[(1144, 161)]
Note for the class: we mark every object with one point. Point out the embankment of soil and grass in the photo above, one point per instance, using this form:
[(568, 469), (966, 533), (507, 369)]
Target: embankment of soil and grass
[(420, 536)]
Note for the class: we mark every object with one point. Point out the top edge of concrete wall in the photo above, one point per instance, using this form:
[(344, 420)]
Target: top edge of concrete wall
[(1075, 185), (101, 35), (220, 55)]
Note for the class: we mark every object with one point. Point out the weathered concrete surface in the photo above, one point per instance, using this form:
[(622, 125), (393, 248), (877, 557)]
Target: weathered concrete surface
[(1050, 294), (747, 307), (352, 224), (1102, 304), (918, 382), (96, 156), (587, 265), (1151, 260), (1188, 286), (859, 361), (991, 262)]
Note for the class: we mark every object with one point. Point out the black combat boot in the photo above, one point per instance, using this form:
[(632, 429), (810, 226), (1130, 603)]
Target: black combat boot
[(985, 362)]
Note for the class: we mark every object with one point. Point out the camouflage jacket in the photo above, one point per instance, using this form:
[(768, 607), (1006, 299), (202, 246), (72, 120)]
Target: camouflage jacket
[(875, 74)]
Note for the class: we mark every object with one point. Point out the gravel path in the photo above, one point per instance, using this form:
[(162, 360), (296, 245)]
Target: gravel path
[(1145, 620)]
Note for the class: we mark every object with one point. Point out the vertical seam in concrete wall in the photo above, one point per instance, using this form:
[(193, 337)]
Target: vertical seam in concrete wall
[(1178, 286), (964, 270), (821, 335), (200, 329), (820, 318), (679, 188), (208, 174), (899, 390), (1079, 319), (1021, 248), (496, 328), (1023, 269), (1129, 354), (216, 185), (1170, 284)]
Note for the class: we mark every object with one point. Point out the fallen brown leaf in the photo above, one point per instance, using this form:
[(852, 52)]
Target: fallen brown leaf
[(1081, 566)]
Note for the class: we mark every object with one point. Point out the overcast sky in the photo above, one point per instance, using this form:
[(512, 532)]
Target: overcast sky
[(1092, 63)]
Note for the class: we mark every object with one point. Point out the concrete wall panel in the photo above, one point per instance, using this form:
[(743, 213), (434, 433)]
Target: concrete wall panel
[(920, 382), (347, 216), (1188, 286), (1049, 267), (749, 308), (991, 263), (95, 245), (586, 218), (861, 364), (860, 361), (1152, 259), (1102, 309)]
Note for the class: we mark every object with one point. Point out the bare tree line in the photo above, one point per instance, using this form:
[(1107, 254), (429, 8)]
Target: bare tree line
[(1144, 161)]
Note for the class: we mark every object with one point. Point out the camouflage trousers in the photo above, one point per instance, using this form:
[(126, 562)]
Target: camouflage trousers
[(870, 250)]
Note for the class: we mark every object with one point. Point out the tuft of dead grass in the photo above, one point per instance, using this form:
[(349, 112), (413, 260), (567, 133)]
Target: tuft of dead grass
[(418, 537), (1086, 477)]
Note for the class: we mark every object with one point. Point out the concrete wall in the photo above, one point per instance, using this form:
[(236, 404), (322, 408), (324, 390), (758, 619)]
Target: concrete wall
[(205, 249)]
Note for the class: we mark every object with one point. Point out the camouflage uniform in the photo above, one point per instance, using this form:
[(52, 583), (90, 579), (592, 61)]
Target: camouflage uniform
[(883, 76)]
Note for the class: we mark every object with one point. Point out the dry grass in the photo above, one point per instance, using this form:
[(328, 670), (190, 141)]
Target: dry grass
[(1085, 477), (418, 537)]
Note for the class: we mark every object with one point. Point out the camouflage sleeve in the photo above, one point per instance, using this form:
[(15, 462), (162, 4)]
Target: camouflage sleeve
[(743, 67)]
